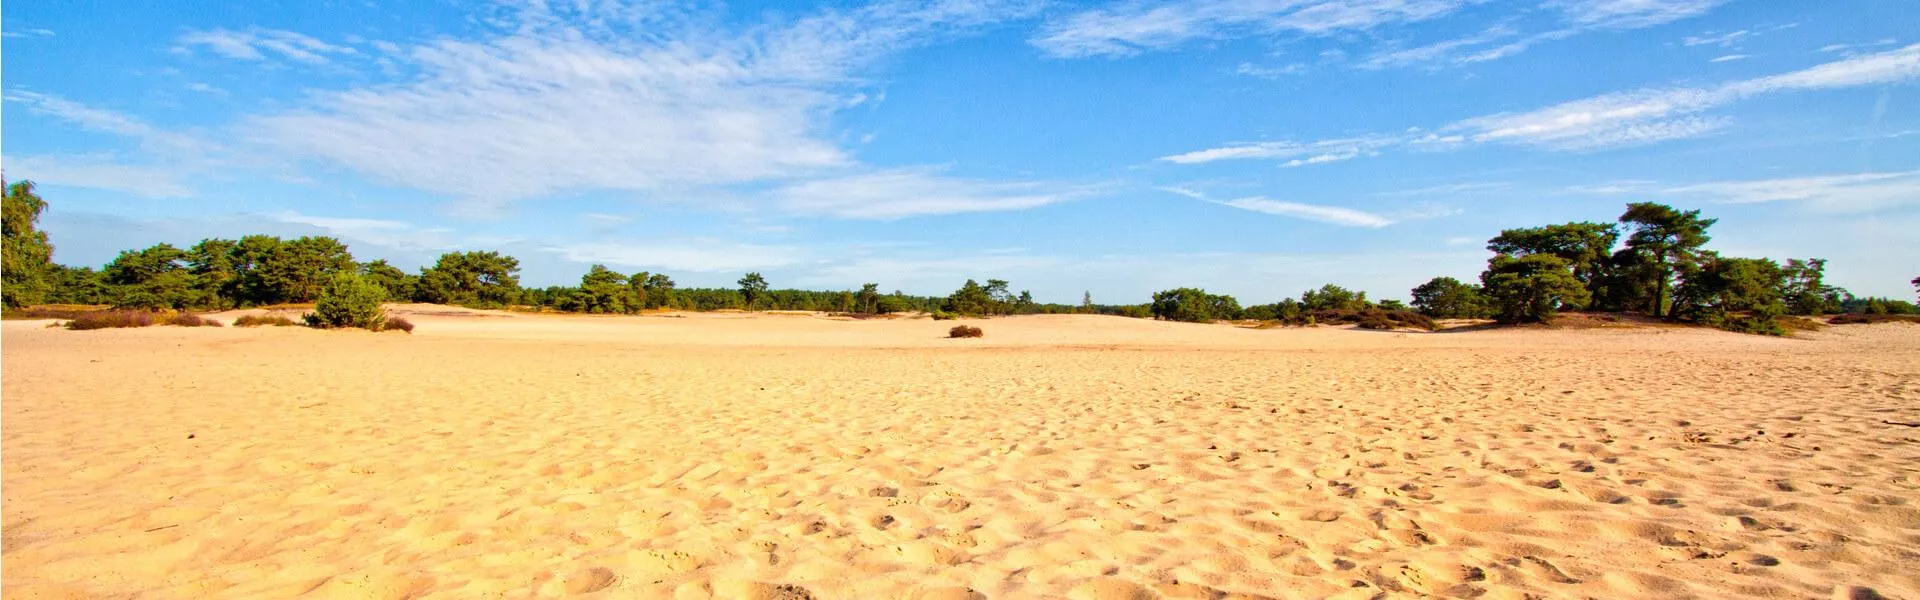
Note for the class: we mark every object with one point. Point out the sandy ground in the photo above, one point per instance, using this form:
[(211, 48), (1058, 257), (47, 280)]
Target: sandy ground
[(735, 456)]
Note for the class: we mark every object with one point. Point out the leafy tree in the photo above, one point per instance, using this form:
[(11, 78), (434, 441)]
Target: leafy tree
[(484, 279), (1024, 303), (349, 300), (1741, 294), (1000, 300), (78, 285), (1448, 298), (26, 256), (1587, 247), (1193, 305), (400, 285), (211, 262), (1086, 299), (604, 290), (153, 278), (1805, 293), (970, 300), (1393, 305), (1667, 241), (1333, 297), (753, 287), (868, 301), (1531, 287)]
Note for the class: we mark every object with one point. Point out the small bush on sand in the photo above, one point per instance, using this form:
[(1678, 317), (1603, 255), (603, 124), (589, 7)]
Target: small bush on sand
[(1871, 319), (941, 315), (349, 300), (965, 331), (108, 319), (264, 321), (187, 319), (398, 324)]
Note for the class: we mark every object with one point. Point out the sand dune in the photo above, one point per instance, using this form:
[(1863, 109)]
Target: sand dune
[(736, 456)]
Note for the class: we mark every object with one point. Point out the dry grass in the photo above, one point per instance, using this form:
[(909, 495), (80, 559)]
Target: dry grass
[(965, 331), (265, 320), (53, 311), (111, 319), (398, 324), (187, 319), (1872, 319)]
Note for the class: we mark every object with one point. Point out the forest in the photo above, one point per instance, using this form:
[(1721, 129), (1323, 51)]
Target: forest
[(1654, 260)]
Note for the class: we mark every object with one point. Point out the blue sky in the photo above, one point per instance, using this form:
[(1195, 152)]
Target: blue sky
[(1257, 148)]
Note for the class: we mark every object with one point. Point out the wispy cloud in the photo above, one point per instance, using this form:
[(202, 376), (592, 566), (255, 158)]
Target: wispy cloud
[(1847, 193), (398, 235), (1337, 215), (28, 33), (107, 121), (563, 102), (1253, 70), (100, 172), (1716, 39), (1631, 14), (1131, 28), (898, 193), (1619, 119), (259, 44), (1853, 49), (1441, 52), (1576, 17), (1730, 58)]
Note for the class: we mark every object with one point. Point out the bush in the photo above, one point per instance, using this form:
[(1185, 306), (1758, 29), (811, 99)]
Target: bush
[(187, 319), (62, 312), (941, 315), (965, 331), (107, 319), (349, 300), (398, 324), (1871, 319), (264, 320)]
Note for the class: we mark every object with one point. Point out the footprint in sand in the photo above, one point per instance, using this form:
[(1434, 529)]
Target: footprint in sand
[(589, 580)]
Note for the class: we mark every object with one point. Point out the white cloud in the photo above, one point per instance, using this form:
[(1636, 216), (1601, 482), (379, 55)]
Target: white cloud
[(1448, 189), (1730, 58), (606, 219), (24, 33), (1323, 150), (1445, 51), (398, 235), (250, 44), (1721, 39), (1853, 49), (1632, 14), (1849, 193), (1131, 28), (897, 193), (1253, 70), (1337, 215), (699, 255), (107, 121), (564, 102), (100, 172)]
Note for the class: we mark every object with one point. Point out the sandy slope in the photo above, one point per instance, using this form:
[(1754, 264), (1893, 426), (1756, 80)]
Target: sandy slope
[(1084, 457)]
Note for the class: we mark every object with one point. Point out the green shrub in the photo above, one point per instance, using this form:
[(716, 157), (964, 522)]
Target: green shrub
[(349, 300), (965, 331), (263, 320), (941, 315), (1866, 319)]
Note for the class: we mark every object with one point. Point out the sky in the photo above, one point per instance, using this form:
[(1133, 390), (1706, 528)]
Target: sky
[(1254, 148)]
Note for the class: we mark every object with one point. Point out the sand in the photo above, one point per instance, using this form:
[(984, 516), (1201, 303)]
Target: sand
[(734, 456)]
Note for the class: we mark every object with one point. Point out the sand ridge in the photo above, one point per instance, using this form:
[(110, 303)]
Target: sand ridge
[(736, 456)]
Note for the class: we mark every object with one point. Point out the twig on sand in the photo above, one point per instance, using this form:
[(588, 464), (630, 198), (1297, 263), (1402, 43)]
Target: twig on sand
[(163, 527), (1900, 423)]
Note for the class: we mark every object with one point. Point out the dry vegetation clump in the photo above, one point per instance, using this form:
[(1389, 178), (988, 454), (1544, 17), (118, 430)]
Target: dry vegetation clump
[(1871, 319), (111, 319), (187, 319), (52, 311), (264, 320), (397, 324), (965, 331), (1371, 318), (1800, 324)]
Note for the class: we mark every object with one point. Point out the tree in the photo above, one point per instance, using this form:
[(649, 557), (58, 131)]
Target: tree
[(970, 300), (1740, 294), (1193, 305), (1086, 300), (349, 300), (1916, 285), (153, 278), (398, 284), (78, 285), (1333, 297), (753, 287), (484, 279), (603, 290), (1667, 241), (26, 256), (868, 301), (1531, 287), (1587, 247), (1448, 298), (1000, 300), (1804, 292), (211, 262)]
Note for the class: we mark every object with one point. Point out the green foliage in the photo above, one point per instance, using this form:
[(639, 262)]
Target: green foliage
[(1737, 294), (78, 285), (26, 255), (1193, 305), (1587, 247), (604, 290), (868, 300), (1333, 297), (941, 315), (1449, 298), (1530, 288), (153, 278), (263, 321), (970, 300), (1665, 242), (473, 279), (349, 300), (1878, 306), (753, 287), (1805, 293), (400, 285)]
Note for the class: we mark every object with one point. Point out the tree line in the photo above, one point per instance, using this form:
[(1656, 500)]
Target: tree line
[(1653, 260)]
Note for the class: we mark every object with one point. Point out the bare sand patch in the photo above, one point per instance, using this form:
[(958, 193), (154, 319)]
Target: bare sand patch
[(739, 456)]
